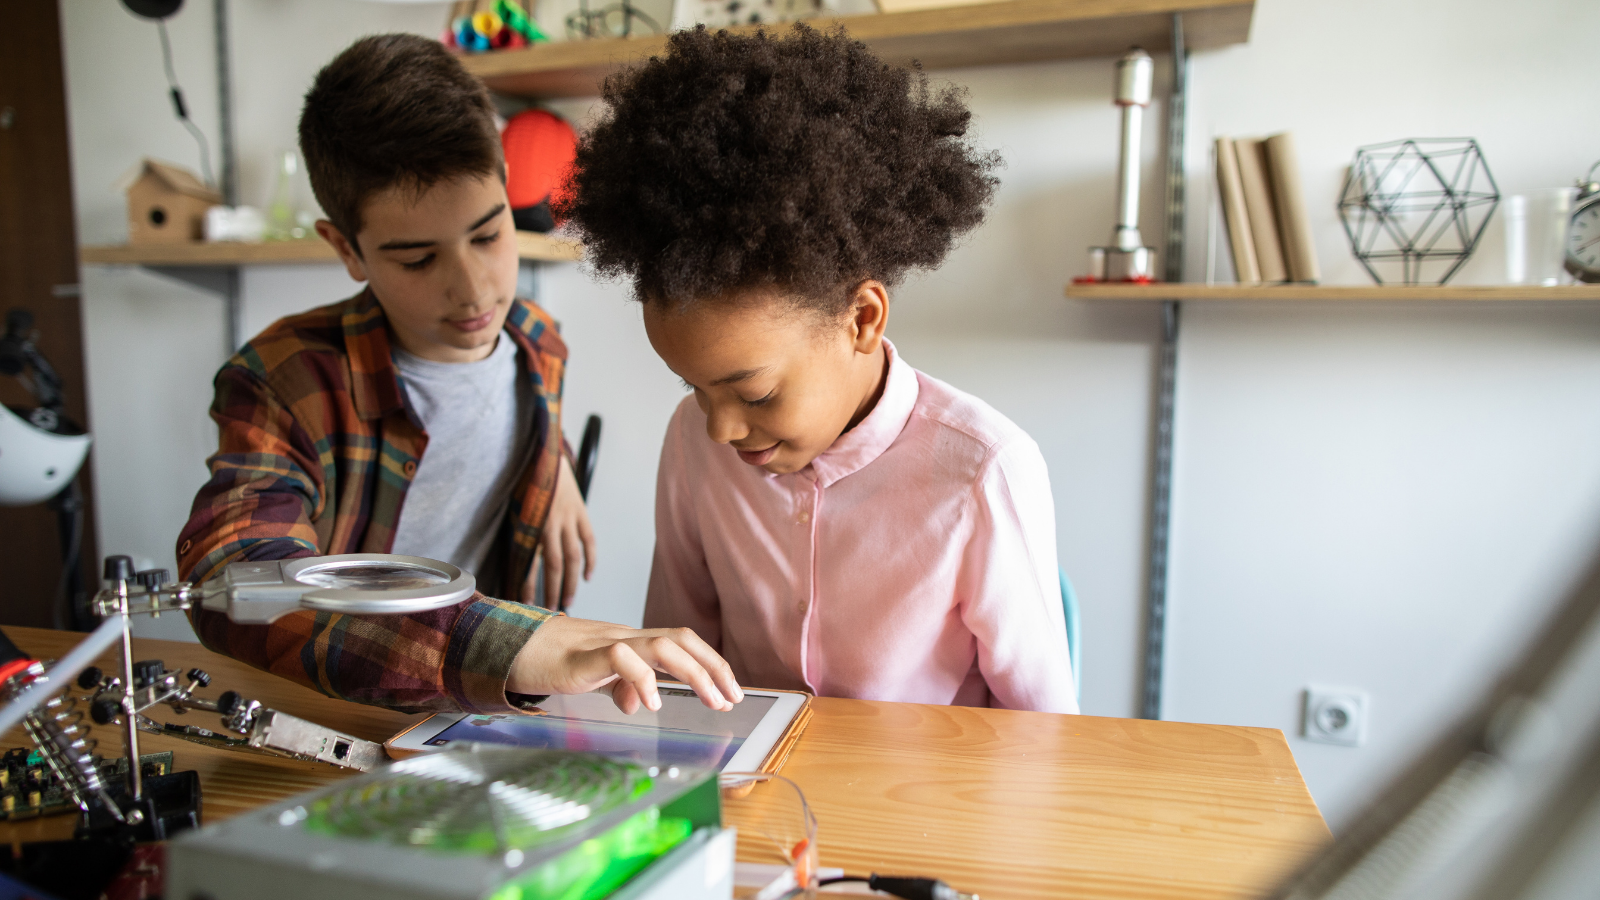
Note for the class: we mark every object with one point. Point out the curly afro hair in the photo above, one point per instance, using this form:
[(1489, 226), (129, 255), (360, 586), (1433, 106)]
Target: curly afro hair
[(801, 164)]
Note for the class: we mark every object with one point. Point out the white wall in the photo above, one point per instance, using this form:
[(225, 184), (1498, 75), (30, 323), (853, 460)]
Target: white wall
[(1369, 496), (1382, 497)]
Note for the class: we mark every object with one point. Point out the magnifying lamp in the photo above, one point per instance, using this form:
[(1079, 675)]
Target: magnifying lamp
[(249, 593), (255, 593)]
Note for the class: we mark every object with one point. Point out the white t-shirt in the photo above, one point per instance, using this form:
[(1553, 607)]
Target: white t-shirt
[(478, 416)]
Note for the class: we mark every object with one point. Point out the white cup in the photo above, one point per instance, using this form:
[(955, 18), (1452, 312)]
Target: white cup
[(1536, 236)]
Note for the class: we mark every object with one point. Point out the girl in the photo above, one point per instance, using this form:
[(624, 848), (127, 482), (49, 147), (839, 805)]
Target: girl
[(827, 517)]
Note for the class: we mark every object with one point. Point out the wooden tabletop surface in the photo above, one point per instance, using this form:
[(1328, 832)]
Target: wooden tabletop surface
[(999, 803)]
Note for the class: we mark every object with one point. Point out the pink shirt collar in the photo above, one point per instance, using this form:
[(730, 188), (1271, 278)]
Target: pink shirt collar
[(875, 433)]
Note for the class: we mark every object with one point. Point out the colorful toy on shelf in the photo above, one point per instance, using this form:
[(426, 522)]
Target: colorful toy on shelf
[(477, 26)]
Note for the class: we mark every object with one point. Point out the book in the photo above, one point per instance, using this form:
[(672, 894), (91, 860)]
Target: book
[(1294, 224), (1246, 269), (1259, 206)]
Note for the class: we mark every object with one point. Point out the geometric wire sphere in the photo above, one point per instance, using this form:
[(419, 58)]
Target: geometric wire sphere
[(1416, 208)]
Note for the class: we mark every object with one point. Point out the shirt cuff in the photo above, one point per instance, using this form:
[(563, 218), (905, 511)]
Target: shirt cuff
[(487, 637)]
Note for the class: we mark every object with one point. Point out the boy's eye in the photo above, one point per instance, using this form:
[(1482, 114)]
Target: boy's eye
[(686, 385), (763, 400), (487, 238), (419, 264)]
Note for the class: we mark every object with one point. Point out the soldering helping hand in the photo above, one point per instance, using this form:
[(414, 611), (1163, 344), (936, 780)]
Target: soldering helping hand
[(154, 685)]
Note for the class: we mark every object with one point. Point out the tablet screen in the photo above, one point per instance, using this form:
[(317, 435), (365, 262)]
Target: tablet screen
[(682, 733)]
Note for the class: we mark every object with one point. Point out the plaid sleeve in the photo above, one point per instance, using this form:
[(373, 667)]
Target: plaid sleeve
[(456, 658), (263, 501), (265, 489)]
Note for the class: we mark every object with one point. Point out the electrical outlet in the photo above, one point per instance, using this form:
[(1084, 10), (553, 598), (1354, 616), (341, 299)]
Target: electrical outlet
[(1335, 716)]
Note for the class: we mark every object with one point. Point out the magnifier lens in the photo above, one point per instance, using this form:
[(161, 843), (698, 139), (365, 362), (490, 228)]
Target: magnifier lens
[(368, 576)]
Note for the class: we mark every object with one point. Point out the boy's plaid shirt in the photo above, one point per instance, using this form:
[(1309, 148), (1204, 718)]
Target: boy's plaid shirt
[(317, 448)]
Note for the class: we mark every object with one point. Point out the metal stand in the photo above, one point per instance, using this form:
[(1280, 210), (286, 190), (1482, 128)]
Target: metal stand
[(1155, 634)]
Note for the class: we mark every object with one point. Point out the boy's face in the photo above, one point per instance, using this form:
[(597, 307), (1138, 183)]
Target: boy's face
[(443, 264), (778, 384)]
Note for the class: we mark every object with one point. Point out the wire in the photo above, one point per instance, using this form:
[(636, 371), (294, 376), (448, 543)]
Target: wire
[(179, 107), (907, 888), (803, 855)]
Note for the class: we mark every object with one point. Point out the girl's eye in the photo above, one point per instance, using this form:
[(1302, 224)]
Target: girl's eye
[(487, 239), (686, 385), (763, 400), (419, 264)]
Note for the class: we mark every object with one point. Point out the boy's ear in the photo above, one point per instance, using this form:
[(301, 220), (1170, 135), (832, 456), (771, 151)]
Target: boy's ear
[(353, 263), (869, 315)]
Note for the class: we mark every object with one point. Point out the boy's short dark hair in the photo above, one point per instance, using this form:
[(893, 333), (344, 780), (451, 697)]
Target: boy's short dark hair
[(393, 110), (802, 164)]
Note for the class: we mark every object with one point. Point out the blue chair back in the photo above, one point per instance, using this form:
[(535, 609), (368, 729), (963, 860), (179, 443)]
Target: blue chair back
[(1069, 605)]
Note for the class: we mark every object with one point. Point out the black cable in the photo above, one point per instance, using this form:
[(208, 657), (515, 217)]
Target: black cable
[(71, 603), (179, 107), (905, 887)]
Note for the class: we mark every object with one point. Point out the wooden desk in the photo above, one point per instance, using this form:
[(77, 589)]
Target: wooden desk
[(1004, 804)]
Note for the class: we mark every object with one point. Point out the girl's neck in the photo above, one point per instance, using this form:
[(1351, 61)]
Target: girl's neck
[(875, 374)]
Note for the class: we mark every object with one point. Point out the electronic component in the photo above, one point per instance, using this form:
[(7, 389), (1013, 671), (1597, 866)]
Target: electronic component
[(281, 734), (41, 701), (29, 788), (474, 823)]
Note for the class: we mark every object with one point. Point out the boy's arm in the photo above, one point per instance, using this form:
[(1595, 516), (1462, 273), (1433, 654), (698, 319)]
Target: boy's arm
[(263, 501), (1012, 588), (681, 592), (265, 490)]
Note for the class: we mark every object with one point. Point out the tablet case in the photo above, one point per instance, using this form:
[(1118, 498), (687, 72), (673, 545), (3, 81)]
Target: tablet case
[(776, 757)]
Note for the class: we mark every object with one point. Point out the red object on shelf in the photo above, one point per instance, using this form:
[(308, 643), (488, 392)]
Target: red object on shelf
[(540, 148)]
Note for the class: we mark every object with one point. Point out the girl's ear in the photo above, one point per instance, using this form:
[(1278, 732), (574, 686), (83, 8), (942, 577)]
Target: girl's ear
[(869, 315)]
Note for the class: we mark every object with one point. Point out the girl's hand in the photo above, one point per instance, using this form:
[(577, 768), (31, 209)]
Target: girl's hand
[(574, 656), (567, 539)]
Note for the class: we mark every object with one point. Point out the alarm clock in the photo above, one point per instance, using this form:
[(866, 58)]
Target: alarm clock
[(1583, 235)]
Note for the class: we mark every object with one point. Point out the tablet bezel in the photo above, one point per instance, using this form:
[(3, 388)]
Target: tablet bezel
[(751, 756)]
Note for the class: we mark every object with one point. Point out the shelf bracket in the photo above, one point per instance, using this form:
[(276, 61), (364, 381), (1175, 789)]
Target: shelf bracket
[(1155, 624), (233, 302)]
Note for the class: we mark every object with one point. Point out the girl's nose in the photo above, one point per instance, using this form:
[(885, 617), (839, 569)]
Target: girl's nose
[(723, 425)]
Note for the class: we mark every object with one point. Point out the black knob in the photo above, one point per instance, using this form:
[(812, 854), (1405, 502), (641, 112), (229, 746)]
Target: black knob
[(119, 568), (228, 702), (90, 677), (199, 677), (147, 672), (153, 579), (104, 712)]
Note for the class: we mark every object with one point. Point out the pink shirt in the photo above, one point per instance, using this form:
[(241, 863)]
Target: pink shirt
[(914, 560)]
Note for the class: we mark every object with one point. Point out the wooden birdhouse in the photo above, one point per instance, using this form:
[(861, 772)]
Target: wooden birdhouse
[(167, 205)]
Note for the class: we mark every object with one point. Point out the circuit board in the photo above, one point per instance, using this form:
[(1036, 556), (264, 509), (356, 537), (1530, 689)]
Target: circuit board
[(29, 789)]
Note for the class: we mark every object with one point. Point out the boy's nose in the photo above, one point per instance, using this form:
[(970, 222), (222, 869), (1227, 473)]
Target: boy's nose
[(470, 280)]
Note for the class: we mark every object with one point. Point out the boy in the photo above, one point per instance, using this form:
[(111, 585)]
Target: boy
[(420, 417)]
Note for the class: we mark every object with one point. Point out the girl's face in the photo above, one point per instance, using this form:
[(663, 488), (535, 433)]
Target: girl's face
[(779, 384)]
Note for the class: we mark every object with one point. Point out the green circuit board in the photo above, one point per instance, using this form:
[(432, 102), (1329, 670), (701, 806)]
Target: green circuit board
[(29, 789)]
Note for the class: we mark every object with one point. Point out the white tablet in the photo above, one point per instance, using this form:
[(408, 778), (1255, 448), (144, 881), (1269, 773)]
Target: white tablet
[(752, 737)]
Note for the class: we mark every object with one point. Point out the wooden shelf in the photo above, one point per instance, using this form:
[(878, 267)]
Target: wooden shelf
[(984, 34), (531, 246), (1334, 293)]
